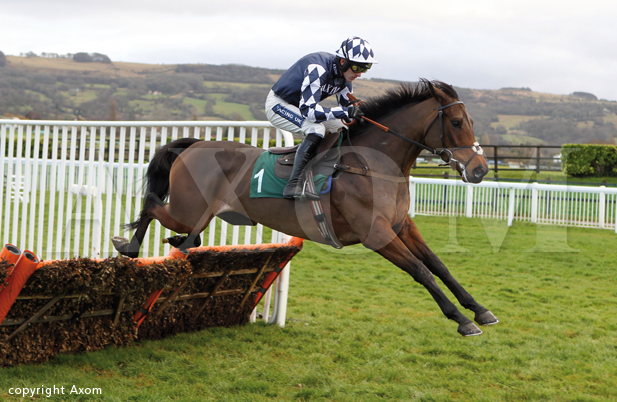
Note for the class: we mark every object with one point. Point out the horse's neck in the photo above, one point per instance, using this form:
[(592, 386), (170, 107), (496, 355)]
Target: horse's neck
[(410, 122)]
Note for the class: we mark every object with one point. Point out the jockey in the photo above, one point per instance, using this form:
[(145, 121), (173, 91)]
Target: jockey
[(293, 103)]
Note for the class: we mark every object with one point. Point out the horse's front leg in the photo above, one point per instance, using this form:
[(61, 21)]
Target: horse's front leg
[(399, 254), (411, 237)]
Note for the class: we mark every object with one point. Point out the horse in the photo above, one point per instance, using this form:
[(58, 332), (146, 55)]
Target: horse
[(204, 179)]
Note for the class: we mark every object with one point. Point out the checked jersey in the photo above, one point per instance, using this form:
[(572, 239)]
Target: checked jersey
[(312, 79)]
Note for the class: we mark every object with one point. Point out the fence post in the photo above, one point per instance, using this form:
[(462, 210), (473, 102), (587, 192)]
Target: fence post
[(511, 207), (282, 290), (534, 204), (615, 208), (602, 208), (412, 198), (469, 201)]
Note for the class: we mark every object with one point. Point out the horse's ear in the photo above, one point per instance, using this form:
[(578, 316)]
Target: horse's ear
[(439, 94), (429, 85)]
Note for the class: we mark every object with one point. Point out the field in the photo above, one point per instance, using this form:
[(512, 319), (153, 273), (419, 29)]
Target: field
[(63, 89), (511, 121), (117, 69), (359, 329)]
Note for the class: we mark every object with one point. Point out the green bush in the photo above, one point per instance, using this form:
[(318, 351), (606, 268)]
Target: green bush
[(583, 160)]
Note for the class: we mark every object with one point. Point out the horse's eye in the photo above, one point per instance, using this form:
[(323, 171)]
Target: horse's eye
[(457, 123)]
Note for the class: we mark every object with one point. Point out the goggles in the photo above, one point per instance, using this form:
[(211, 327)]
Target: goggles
[(360, 68)]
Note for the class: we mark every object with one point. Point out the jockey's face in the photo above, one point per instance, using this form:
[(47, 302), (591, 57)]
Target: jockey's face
[(350, 75)]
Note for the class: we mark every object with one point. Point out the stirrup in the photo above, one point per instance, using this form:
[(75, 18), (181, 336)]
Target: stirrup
[(308, 196), (301, 193)]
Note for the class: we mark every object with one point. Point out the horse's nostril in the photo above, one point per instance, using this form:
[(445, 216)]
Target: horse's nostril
[(479, 171)]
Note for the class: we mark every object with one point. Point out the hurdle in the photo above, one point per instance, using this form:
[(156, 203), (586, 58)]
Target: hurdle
[(81, 304)]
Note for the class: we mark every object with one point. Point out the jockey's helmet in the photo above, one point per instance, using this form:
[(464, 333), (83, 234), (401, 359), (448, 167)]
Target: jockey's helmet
[(356, 52)]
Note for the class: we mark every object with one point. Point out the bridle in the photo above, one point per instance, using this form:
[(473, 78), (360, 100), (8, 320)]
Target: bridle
[(446, 154)]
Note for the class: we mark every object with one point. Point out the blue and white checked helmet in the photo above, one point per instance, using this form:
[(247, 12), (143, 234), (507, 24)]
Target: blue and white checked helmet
[(357, 50)]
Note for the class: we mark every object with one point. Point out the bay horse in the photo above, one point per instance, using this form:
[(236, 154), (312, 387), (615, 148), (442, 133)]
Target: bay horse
[(204, 179)]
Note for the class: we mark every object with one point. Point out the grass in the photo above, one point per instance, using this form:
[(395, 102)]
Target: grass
[(119, 69), (521, 139), (511, 121), (84, 96), (199, 104), (611, 118), (42, 97), (233, 85), (225, 108), (360, 329)]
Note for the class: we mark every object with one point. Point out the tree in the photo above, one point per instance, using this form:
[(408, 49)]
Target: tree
[(100, 58), (32, 115), (112, 110), (83, 57), (2, 59), (208, 109), (585, 95)]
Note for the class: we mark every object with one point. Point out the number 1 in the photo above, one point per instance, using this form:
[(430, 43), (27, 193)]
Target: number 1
[(260, 177)]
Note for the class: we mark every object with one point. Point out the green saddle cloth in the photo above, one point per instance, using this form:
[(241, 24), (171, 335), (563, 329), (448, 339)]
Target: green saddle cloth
[(266, 184)]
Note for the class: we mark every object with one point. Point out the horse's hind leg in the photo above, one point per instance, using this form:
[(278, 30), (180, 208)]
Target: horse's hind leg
[(131, 249), (412, 238), (154, 208), (161, 212)]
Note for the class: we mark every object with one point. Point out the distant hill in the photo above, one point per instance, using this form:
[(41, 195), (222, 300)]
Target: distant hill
[(62, 88)]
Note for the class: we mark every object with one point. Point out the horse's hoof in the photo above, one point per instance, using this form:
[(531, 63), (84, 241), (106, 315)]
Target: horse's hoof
[(119, 242), (469, 329), (486, 318), (176, 241), (122, 244)]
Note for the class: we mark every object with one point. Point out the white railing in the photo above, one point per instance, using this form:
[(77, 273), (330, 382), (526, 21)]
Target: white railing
[(68, 186), (532, 202)]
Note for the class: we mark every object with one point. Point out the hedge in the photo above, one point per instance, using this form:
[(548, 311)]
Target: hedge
[(584, 160), (79, 304)]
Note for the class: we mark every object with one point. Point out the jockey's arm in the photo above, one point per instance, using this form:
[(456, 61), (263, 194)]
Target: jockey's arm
[(312, 95)]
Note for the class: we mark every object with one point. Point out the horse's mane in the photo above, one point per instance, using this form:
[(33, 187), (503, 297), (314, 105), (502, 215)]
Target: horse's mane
[(403, 95)]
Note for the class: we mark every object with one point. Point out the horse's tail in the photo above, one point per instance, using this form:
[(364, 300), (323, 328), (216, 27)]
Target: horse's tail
[(157, 177)]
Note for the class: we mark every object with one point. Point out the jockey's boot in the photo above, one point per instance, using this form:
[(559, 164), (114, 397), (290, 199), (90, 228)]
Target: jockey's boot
[(304, 154)]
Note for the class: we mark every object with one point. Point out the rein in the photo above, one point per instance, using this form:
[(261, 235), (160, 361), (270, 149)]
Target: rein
[(445, 153)]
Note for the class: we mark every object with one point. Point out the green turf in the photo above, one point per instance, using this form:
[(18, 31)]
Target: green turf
[(360, 329)]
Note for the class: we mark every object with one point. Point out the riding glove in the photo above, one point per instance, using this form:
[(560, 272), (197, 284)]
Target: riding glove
[(355, 112)]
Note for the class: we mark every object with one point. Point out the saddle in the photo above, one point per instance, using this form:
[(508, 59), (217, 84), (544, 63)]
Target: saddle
[(273, 168), (323, 164)]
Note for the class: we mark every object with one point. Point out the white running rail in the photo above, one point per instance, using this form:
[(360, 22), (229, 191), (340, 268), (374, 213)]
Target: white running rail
[(532, 202)]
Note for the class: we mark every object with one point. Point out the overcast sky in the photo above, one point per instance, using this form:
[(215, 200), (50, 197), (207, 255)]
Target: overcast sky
[(549, 46)]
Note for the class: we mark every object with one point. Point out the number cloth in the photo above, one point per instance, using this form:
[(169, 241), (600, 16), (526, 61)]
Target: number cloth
[(264, 183)]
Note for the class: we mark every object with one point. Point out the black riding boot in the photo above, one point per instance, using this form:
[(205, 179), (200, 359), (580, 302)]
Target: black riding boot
[(304, 154)]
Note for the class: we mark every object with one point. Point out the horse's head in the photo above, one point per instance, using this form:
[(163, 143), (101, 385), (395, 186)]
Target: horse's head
[(451, 132)]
